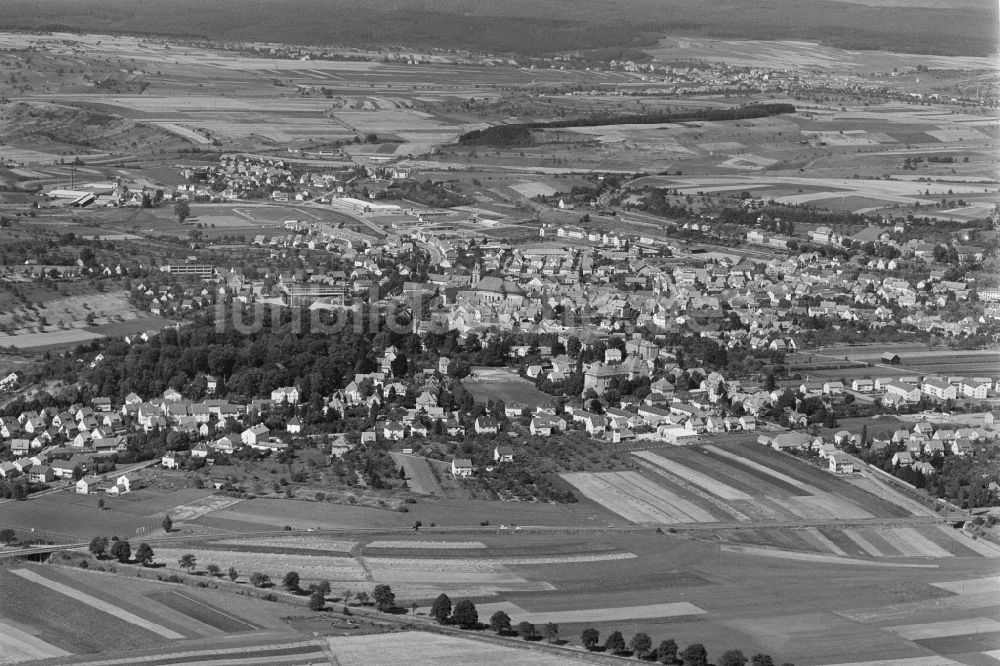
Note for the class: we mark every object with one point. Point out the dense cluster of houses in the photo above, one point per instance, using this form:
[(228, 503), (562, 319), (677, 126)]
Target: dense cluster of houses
[(916, 447)]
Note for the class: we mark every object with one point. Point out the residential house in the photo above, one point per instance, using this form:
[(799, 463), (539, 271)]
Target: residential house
[(503, 454), (461, 467)]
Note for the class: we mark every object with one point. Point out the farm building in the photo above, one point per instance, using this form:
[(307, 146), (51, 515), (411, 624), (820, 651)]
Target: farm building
[(889, 358), (790, 440)]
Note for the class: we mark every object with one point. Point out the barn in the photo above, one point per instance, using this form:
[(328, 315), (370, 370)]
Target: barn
[(890, 358)]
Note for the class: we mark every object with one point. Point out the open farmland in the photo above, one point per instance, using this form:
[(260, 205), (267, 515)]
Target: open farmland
[(426, 649), (732, 482)]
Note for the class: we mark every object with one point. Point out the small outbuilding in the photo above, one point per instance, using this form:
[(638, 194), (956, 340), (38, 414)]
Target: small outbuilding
[(890, 358)]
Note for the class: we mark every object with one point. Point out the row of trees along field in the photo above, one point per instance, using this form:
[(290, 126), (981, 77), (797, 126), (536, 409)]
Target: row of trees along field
[(465, 615), (519, 134)]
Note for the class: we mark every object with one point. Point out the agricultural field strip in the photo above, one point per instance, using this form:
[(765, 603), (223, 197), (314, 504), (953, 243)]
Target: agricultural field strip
[(494, 563), (763, 469), (934, 660), (815, 557), (825, 541), (922, 544), (974, 585), (303, 542), (694, 490), (825, 505), (181, 603), (885, 492), (704, 481), (625, 494), (423, 648), (984, 548), (651, 611), (637, 483), (17, 645), (600, 490), (976, 625), (865, 544), (100, 605), (311, 567), (430, 545), (182, 656)]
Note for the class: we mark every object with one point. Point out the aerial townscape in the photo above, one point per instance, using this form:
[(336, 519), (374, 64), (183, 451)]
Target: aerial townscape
[(660, 331)]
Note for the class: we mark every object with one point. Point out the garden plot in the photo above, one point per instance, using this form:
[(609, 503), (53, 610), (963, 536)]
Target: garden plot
[(636, 498)]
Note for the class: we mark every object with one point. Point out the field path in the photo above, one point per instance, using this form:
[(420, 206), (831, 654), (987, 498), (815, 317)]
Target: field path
[(100, 605)]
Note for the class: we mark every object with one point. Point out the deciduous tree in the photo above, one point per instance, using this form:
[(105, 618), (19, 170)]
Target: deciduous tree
[(441, 608), (732, 658), (121, 551), (167, 523), (291, 581), (465, 614), (527, 630), (144, 554), (233, 574), (695, 655), (500, 622), (590, 637), (99, 546), (615, 643), (641, 644), (188, 561), (317, 600), (667, 652), (551, 632), (385, 599)]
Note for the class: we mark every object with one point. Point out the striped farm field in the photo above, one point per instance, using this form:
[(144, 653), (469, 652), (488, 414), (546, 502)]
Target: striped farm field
[(763, 469), (637, 498), (703, 481)]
